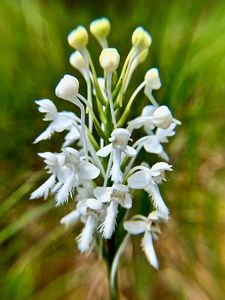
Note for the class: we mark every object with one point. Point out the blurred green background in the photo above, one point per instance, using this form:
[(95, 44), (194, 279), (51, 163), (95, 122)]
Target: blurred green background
[(38, 257)]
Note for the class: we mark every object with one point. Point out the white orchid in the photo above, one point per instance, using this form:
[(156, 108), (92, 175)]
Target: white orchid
[(145, 120), (118, 146), (149, 226), (90, 209), (55, 166), (78, 170), (101, 173), (60, 121), (147, 179), (116, 195), (152, 143)]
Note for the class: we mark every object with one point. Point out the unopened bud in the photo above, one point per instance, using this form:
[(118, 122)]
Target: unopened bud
[(143, 55), (162, 117), (152, 79), (100, 28), (67, 88), (141, 39), (77, 61), (78, 38), (109, 59)]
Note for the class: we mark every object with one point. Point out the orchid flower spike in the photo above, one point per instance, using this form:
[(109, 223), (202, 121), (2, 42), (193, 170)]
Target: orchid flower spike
[(149, 226), (100, 164)]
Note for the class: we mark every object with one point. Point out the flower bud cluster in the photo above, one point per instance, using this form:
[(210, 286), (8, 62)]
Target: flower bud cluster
[(98, 165)]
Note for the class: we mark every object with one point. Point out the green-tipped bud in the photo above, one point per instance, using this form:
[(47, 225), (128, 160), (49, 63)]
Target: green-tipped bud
[(78, 38), (141, 39), (109, 59), (100, 28)]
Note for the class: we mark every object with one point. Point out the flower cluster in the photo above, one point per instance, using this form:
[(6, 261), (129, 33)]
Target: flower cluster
[(101, 171)]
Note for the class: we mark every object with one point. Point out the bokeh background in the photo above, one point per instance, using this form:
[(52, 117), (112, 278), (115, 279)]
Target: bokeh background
[(38, 257)]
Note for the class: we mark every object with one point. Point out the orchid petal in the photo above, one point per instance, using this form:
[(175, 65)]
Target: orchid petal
[(139, 180), (148, 248), (70, 218), (152, 145), (45, 135), (130, 151), (157, 200), (66, 190), (44, 189), (93, 204), (134, 227), (105, 151), (103, 194), (86, 170)]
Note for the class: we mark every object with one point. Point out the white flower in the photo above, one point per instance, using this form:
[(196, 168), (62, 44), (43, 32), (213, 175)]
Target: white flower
[(78, 38), (91, 209), (78, 170), (118, 192), (85, 239), (72, 136), (67, 88), (55, 166), (145, 120), (153, 143), (109, 59), (60, 121), (162, 117), (119, 139), (149, 226), (115, 195), (148, 178)]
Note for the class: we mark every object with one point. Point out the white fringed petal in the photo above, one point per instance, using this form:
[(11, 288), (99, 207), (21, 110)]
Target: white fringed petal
[(148, 248), (45, 135), (70, 218), (66, 190), (72, 136), (44, 189), (108, 226), (85, 239), (47, 107), (157, 200)]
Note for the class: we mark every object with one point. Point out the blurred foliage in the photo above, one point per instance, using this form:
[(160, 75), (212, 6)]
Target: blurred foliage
[(38, 257)]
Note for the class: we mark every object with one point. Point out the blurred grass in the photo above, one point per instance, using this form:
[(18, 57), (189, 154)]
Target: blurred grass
[(38, 257)]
